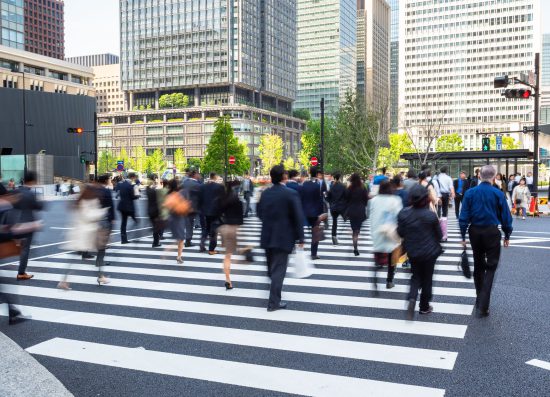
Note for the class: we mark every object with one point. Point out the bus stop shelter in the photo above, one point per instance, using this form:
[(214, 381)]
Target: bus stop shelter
[(506, 161)]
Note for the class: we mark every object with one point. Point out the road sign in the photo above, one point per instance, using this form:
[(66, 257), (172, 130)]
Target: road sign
[(231, 160), (120, 165), (499, 142), (485, 144), (314, 161)]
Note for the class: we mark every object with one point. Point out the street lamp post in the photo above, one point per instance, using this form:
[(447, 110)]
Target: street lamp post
[(24, 127), (322, 151), (225, 147)]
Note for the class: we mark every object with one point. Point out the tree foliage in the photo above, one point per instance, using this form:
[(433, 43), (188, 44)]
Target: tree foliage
[(156, 163), (106, 162), (123, 156), (508, 143), (449, 143), (303, 114), (310, 139), (175, 100), (289, 163), (179, 160), (271, 151), (399, 144), (140, 159), (215, 159), (194, 163)]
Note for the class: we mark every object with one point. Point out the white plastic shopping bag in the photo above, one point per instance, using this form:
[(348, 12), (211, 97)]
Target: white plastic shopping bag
[(301, 264)]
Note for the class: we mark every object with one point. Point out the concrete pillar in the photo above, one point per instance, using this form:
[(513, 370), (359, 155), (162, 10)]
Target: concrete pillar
[(185, 116), (277, 105), (203, 114), (232, 94), (130, 100), (157, 100), (197, 96)]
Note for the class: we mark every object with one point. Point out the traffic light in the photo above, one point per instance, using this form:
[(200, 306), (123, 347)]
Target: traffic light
[(502, 82), (83, 159), (485, 144), (75, 130), (517, 93)]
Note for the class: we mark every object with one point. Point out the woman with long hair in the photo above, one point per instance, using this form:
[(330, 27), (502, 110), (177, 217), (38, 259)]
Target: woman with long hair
[(521, 197), (357, 197), (232, 218), (500, 183)]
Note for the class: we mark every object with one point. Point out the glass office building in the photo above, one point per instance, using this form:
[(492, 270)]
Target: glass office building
[(12, 24), (218, 52), (545, 61), (326, 53), (394, 64)]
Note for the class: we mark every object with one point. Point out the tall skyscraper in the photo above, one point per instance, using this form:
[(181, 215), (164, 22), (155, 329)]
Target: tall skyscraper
[(394, 64), (449, 54), (326, 53), (214, 51), (545, 61), (95, 60), (373, 54), (12, 24), (45, 27)]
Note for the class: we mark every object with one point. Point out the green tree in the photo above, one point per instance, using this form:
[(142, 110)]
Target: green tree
[(271, 151), (449, 143), (179, 160), (194, 163), (106, 162), (310, 142), (185, 101), (156, 162), (162, 102), (399, 144), (289, 163), (141, 107), (303, 114), (508, 143), (139, 159), (123, 156), (215, 156)]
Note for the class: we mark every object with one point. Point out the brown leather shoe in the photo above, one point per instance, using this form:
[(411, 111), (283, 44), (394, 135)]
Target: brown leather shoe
[(24, 276), (213, 252)]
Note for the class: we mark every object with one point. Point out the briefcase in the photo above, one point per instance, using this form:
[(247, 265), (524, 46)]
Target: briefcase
[(465, 265), (9, 249)]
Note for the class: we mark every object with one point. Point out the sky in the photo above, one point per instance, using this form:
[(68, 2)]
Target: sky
[(91, 26)]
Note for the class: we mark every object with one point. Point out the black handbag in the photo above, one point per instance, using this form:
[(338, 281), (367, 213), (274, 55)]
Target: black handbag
[(465, 265)]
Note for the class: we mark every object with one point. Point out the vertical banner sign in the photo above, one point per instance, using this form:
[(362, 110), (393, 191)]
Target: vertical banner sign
[(499, 142)]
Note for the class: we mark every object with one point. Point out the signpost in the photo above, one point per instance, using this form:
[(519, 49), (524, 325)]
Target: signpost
[(499, 142), (314, 161), (120, 165), (231, 160)]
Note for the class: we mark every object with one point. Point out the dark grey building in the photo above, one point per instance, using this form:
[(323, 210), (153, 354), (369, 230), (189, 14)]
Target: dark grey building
[(48, 116), (217, 52), (94, 60)]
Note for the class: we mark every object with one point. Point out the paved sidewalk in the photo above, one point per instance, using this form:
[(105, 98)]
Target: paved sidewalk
[(23, 376)]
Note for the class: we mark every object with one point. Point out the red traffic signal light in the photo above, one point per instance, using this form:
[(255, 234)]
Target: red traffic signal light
[(517, 93), (526, 94), (77, 130)]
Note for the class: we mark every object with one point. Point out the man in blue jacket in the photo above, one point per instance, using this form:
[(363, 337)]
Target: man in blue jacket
[(484, 207), (311, 193), (281, 215)]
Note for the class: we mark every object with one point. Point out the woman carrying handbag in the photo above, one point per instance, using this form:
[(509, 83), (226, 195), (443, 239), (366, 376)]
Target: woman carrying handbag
[(521, 197)]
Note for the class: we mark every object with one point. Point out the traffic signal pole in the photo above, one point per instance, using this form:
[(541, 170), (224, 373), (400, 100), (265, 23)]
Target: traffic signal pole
[(322, 151), (95, 147), (536, 127)]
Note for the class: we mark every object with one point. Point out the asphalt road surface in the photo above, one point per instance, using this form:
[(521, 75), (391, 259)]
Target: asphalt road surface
[(165, 329)]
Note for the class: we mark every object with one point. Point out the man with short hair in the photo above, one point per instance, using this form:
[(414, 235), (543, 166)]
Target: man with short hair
[(446, 190), (293, 182), (248, 191), (483, 209), (126, 205), (461, 185), (411, 180), (191, 189), (529, 181), (212, 194), (311, 193)]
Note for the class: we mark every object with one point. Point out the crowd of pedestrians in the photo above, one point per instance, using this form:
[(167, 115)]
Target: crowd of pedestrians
[(407, 213)]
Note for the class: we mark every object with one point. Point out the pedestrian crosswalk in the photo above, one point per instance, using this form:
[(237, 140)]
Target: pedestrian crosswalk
[(343, 334)]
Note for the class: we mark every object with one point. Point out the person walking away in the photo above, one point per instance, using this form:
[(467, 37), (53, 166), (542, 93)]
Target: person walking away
[(87, 216), (191, 190), (293, 180), (521, 197), (447, 193), (529, 181), (500, 183), (382, 211), (357, 198), (211, 195), (105, 225), (164, 214), (411, 180), (399, 190), (26, 205), (232, 215), (281, 214), (337, 200), (419, 228), (177, 219), (483, 209), (312, 203), (153, 211), (126, 205), (248, 191), (460, 185)]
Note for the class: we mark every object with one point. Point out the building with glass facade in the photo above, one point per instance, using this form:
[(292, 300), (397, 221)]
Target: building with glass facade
[(327, 47), (449, 54), (12, 24), (45, 27), (394, 64), (95, 60), (545, 61)]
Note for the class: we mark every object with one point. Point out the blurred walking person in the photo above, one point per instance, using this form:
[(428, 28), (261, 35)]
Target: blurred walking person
[(311, 193), (153, 211), (180, 209), (521, 197), (26, 204), (126, 205), (211, 195), (483, 209), (337, 200), (421, 234), (232, 214), (293, 180), (247, 188), (87, 216), (281, 214), (191, 188), (382, 211), (357, 198), (461, 186), (105, 225)]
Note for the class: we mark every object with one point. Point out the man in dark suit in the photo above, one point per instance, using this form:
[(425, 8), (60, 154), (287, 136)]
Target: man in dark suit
[(292, 182), (247, 187), (311, 193), (212, 194), (26, 205), (192, 191), (126, 204), (281, 214), (461, 185), (106, 224), (153, 211)]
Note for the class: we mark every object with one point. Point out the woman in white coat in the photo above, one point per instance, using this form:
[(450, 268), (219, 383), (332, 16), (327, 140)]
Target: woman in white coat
[(86, 227), (521, 197)]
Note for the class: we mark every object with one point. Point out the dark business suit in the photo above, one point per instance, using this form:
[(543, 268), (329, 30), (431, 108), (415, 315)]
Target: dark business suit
[(126, 206), (212, 194), (338, 203), (281, 215), (459, 196), (106, 201), (153, 211), (248, 192), (312, 205), (191, 190), (26, 205)]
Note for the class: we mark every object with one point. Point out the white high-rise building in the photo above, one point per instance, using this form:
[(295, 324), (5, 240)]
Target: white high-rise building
[(449, 53)]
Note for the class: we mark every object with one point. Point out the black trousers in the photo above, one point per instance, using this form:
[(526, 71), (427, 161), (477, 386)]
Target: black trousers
[(247, 196), (335, 215), (422, 277), (485, 242), (210, 229), (443, 210), (124, 223), (458, 202), (25, 252), (157, 230), (314, 246), (277, 262)]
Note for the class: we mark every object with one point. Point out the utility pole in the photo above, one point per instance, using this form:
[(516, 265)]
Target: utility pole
[(225, 142), (24, 127), (95, 147), (536, 127), (322, 149)]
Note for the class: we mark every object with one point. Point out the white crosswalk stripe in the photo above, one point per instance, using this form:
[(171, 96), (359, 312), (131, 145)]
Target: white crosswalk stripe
[(343, 311)]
